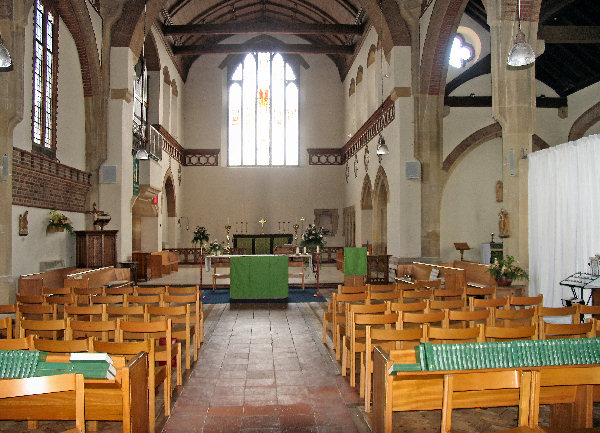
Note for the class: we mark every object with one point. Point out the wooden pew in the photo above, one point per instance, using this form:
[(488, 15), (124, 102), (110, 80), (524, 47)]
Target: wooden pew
[(423, 390), (102, 277), (123, 399), (32, 284), (163, 263)]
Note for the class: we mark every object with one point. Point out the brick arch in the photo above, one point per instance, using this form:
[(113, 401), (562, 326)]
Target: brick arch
[(481, 136), (77, 19), (395, 29), (585, 122), (436, 51)]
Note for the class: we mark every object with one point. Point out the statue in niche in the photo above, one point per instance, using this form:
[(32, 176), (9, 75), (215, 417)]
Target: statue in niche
[(503, 224), (23, 224), (499, 191)]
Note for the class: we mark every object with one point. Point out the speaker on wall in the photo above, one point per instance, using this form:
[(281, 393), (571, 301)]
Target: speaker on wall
[(109, 174), (412, 170)]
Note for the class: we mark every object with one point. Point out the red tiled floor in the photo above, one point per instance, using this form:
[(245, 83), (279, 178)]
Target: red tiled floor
[(263, 369)]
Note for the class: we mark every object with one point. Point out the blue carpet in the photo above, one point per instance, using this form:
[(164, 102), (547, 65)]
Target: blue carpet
[(221, 296)]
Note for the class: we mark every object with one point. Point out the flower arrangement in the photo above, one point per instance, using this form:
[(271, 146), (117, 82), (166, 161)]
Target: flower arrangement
[(201, 236), (59, 222), (215, 247), (507, 268), (313, 237)]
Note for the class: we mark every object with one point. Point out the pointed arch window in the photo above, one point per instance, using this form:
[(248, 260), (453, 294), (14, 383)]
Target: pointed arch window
[(45, 71), (263, 112)]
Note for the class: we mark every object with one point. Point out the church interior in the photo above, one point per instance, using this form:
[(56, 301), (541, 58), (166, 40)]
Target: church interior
[(424, 139)]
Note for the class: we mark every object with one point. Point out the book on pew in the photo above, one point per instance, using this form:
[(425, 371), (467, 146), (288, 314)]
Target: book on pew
[(90, 356), (90, 370), (18, 364)]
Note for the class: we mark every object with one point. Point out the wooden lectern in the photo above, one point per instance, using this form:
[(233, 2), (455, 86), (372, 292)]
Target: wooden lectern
[(462, 247)]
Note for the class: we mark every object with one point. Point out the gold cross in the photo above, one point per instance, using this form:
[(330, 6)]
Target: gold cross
[(262, 222)]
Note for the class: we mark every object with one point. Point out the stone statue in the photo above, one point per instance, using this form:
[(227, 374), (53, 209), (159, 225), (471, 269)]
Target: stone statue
[(503, 224), (23, 224), (499, 191)]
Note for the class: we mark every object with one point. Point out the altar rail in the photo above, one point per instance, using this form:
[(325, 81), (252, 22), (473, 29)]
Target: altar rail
[(191, 256)]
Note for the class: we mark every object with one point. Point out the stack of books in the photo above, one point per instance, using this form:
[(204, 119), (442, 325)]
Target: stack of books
[(504, 354), (18, 364), (91, 365)]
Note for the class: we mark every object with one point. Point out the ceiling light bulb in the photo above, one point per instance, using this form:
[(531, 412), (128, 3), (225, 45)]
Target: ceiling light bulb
[(382, 148), (521, 54), (5, 60), (142, 154)]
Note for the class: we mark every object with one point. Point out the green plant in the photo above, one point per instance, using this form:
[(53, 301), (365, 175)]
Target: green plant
[(313, 237), (214, 247), (507, 267), (201, 236), (59, 220)]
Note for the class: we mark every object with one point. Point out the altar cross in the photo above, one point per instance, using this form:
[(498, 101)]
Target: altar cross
[(262, 222)]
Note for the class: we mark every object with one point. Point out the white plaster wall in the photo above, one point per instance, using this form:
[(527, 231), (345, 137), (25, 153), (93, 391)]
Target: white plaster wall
[(28, 251), (462, 122), (469, 212)]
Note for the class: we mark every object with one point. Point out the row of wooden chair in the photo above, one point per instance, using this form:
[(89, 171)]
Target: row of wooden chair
[(156, 338)]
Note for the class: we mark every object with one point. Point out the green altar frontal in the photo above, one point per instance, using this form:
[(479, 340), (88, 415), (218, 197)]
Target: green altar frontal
[(258, 277)]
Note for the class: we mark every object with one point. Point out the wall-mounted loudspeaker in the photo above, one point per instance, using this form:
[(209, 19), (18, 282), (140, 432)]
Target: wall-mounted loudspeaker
[(412, 170), (109, 174)]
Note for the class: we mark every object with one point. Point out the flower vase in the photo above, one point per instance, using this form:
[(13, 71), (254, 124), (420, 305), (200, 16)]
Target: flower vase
[(503, 282), (54, 229)]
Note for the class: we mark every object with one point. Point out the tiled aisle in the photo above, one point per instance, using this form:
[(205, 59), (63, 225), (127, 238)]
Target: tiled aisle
[(264, 369)]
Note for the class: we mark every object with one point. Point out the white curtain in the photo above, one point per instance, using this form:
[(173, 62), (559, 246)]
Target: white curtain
[(564, 215)]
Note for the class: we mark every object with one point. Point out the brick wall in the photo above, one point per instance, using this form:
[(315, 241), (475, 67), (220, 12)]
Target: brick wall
[(45, 183)]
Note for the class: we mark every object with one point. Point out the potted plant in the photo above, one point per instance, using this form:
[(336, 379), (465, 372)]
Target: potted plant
[(215, 248), (201, 236), (313, 237), (505, 270), (59, 222)]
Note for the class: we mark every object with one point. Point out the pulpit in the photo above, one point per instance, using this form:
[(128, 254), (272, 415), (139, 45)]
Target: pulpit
[(96, 248), (378, 270), (261, 244)]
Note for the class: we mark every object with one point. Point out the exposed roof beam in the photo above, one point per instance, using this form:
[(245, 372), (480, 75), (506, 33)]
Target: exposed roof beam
[(570, 34), (486, 101), (263, 47), (549, 8), (262, 27)]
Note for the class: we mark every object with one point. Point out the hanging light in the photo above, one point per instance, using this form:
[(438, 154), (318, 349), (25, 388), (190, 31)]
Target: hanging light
[(521, 54), (5, 60), (382, 148), (142, 154)]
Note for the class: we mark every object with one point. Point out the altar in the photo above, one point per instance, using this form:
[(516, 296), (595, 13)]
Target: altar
[(258, 277), (261, 244)]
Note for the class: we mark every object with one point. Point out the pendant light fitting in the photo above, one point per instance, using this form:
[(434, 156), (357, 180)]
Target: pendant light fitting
[(521, 54)]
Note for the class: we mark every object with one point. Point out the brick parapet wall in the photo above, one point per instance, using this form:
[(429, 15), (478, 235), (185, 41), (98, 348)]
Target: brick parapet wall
[(44, 183)]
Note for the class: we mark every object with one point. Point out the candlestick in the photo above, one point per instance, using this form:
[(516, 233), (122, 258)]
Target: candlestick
[(227, 245)]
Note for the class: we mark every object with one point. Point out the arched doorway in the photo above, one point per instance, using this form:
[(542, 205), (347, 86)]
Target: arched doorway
[(169, 213), (366, 212), (381, 198)]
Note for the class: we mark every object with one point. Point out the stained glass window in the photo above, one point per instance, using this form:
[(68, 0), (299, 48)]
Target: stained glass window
[(263, 112), (44, 79)]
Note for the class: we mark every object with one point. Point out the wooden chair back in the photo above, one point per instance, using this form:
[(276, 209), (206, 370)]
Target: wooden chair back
[(47, 291), (351, 289), (109, 300), (161, 290), (14, 388), (60, 346), (104, 330), (87, 312), (454, 384), (374, 288), (54, 329), (415, 295), (31, 299), (410, 319), (457, 304), (16, 343), (8, 308), (126, 290), (186, 290), (510, 318), (549, 331), (193, 300), (129, 313), (85, 293), (583, 309), (476, 303), (571, 311), (133, 300), (467, 319), (498, 333), (449, 294), (378, 297), (396, 307), (434, 334), (182, 325), (525, 301)]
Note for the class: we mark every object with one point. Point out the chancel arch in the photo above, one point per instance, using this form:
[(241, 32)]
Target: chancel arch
[(585, 122), (381, 198), (366, 212)]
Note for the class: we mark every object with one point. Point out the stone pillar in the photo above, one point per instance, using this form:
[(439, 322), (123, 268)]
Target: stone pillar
[(13, 19), (513, 106)]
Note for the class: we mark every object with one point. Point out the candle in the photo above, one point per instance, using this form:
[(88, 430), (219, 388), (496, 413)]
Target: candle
[(297, 250), (318, 249), (304, 250)]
